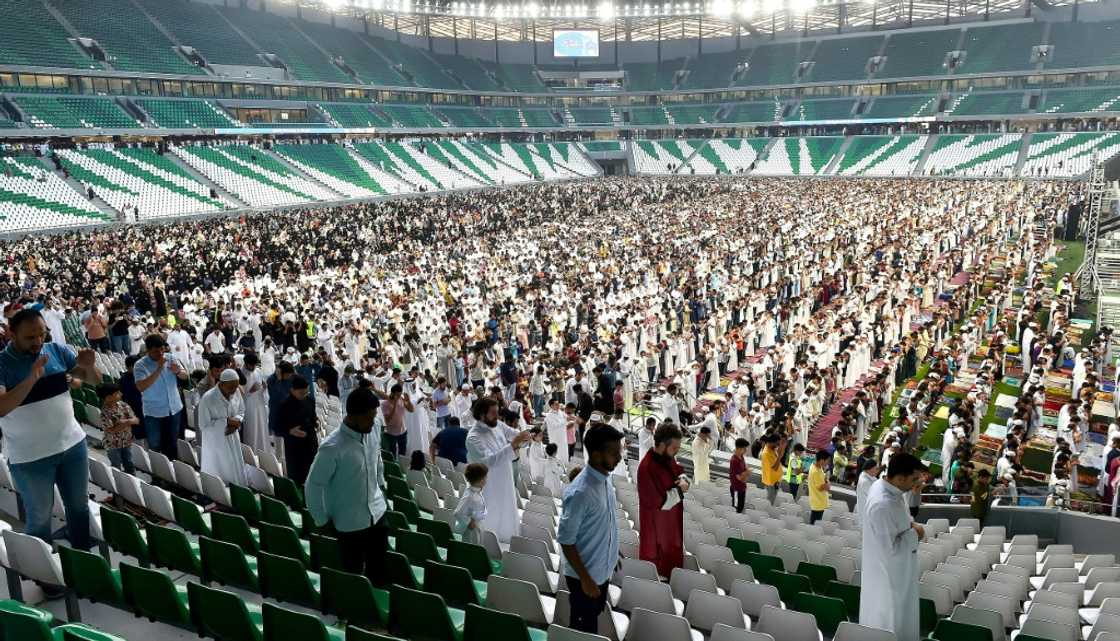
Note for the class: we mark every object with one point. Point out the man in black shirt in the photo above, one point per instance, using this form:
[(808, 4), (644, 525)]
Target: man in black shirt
[(298, 424)]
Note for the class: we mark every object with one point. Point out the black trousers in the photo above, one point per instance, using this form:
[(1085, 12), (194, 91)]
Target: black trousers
[(815, 515), (363, 551), (738, 498), (584, 610)]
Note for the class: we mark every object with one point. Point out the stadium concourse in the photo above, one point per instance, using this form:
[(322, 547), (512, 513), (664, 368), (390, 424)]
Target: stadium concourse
[(356, 321)]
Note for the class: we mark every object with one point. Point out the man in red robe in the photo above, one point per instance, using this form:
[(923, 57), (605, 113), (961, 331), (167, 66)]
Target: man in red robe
[(662, 531)]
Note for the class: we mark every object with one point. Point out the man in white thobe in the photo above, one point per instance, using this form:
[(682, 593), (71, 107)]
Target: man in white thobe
[(889, 588), (496, 444), (556, 426), (867, 477), (220, 414), (255, 394)]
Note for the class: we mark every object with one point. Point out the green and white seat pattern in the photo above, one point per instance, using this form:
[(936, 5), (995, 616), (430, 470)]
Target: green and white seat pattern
[(428, 165), (569, 156), (882, 155), (731, 155), (331, 165), (977, 155), (663, 156), (232, 167), (799, 156), (136, 180), (473, 155), (515, 156), (34, 198), (1067, 154), (187, 114)]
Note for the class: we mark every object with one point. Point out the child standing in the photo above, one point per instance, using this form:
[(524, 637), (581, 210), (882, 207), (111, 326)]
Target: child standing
[(739, 474), (554, 471), (471, 510), (117, 420)]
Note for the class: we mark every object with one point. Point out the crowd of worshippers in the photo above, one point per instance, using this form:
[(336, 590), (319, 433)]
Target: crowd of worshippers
[(565, 293)]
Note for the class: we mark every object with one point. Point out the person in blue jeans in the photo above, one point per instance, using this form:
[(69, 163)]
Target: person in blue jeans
[(44, 444), (157, 377)]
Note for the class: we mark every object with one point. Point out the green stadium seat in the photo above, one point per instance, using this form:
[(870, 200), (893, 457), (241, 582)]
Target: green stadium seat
[(25, 623), (352, 598), (830, 612), (927, 616), (454, 584), (90, 577), (399, 571), (123, 534), (129, 38), (819, 575), (920, 53), (32, 36), (325, 553), (287, 491), (245, 503), (414, 614), (226, 564), (223, 615), (152, 594), (281, 624), (474, 558), (170, 548), (354, 633), (484, 624), (285, 541), (418, 547), (233, 528), (276, 512), (763, 565), (278, 35), (947, 630), (439, 531), (847, 593), (789, 585), (287, 580), (190, 517), (740, 548)]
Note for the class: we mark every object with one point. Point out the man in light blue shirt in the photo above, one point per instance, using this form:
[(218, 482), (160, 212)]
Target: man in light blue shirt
[(157, 376), (343, 488), (588, 533)]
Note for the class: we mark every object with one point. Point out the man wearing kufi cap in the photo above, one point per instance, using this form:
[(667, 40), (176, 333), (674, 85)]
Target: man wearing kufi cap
[(220, 414)]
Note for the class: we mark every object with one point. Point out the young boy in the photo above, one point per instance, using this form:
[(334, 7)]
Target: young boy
[(554, 471), (981, 495), (117, 420), (471, 510), (538, 459), (739, 474)]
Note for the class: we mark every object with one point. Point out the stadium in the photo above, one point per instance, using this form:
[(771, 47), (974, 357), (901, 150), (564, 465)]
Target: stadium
[(740, 320)]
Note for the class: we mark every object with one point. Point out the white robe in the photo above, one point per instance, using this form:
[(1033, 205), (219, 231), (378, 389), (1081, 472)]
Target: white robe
[(863, 486), (417, 425), (490, 445), (221, 452), (556, 426), (254, 432), (701, 459), (645, 443), (889, 586)]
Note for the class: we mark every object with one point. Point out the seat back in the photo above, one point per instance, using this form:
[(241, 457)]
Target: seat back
[(996, 603), (650, 625), (169, 548), (90, 576), (282, 624), (286, 580), (727, 633), (349, 597), (514, 595), (470, 556), (641, 593), (727, 573), (707, 609), (1052, 630), (189, 515), (787, 625), (989, 619), (420, 615), (755, 596), (829, 612), (849, 631), (1055, 613), (682, 582), (219, 614), (527, 568)]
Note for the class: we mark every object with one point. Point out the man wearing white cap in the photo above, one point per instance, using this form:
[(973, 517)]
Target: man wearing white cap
[(220, 413)]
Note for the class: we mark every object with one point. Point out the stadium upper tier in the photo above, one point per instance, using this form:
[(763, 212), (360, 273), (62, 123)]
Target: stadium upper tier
[(206, 40)]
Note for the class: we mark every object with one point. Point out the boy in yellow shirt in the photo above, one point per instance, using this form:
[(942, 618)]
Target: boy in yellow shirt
[(775, 448), (818, 487)]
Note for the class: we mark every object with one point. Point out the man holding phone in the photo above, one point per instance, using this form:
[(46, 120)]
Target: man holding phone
[(157, 376)]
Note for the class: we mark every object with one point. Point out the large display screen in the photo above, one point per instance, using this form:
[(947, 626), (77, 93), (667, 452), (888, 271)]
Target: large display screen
[(575, 43)]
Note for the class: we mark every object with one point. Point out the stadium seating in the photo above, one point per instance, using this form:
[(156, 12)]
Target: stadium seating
[(769, 111), (186, 113), (332, 165), (423, 70), (469, 117), (49, 112), (539, 118), (713, 70), (729, 155), (799, 156), (440, 174), (1084, 44), (692, 114), (1080, 100), (411, 116), (348, 114), (469, 71), (567, 158), (775, 64), (592, 115), (902, 106), (516, 77), (352, 49), (244, 172), (131, 41), (521, 159), (652, 76), (825, 109), (602, 146), (29, 35), (982, 103), (473, 155), (668, 157), (919, 53), (139, 178), (453, 157), (843, 59), (1000, 47), (649, 116), (1067, 154), (199, 25), (881, 155), (33, 198), (277, 35), (973, 155)]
